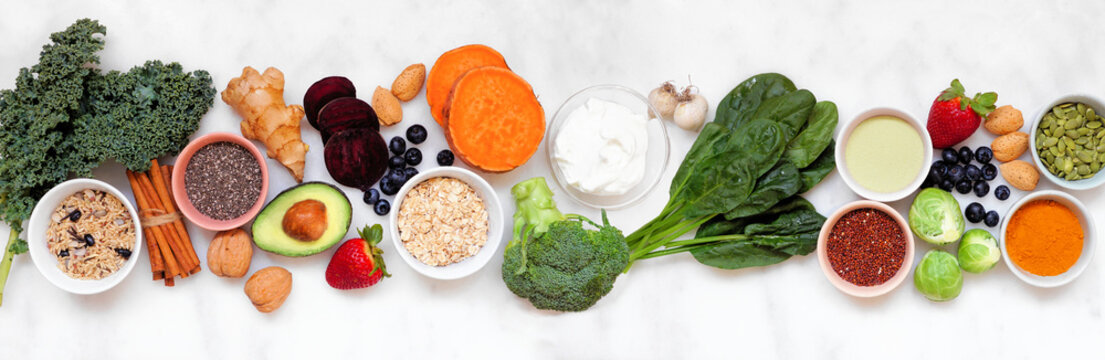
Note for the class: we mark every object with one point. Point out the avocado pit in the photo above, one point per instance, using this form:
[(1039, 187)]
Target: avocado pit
[(305, 220)]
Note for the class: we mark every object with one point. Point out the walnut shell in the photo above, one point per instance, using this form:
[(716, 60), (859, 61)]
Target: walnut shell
[(1020, 174), (409, 82), (230, 253), (1010, 146), (268, 288), (1004, 120)]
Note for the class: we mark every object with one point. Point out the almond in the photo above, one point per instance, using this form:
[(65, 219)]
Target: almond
[(1010, 146), (1020, 174), (387, 107), (230, 253), (268, 288), (409, 82), (1004, 120)]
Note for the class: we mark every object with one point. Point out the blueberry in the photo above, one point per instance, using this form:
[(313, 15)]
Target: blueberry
[(410, 172), (975, 212), (1001, 192), (371, 196), (941, 168), (963, 186), (984, 155), (397, 145), (933, 178), (416, 134), (388, 187), (382, 207), (947, 185), (950, 156), (982, 188), (445, 158), (396, 162), (956, 173), (989, 172), (965, 155), (413, 156), (398, 177), (973, 173), (992, 218)]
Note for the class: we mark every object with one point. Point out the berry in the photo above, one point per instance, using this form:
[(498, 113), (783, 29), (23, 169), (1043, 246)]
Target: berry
[(416, 134), (947, 185), (930, 180), (953, 116), (975, 212), (398, 177), (973, 173), (956, 173), (950, 156), (413, 156), (941, 168), (382, 207), (396, 162), (1001, 192), (445, 158), (984, 155), (397, 145), (409, 173), (982, 188), (358, 263), (965, 155), (388, 187), (992, 218), (371, 196), (963, 186), (989, 172)]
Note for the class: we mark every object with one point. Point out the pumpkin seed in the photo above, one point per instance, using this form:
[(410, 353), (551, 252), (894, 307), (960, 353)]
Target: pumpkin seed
[(1093, 124), (1073, 134), (1074, 123), (1083, 170), (1068, 165), (1051, 141), (1084, 131)]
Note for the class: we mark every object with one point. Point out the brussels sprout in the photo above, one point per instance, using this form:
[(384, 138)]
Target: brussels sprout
[(978, 251), (935, 217), (938, 276)]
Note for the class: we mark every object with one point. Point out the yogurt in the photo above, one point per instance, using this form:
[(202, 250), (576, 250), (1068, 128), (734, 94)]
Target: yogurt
[(601, 148)]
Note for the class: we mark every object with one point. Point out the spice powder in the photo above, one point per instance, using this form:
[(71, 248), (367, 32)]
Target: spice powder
[(866, 247), (223, 180)]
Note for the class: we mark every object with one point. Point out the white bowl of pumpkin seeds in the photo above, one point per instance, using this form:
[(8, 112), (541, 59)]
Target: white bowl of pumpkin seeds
[(1067, 139)]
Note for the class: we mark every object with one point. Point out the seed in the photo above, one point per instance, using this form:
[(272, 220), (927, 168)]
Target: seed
[(75, 215), (866, 247), (88, 240), (63, 253), (123, 252)]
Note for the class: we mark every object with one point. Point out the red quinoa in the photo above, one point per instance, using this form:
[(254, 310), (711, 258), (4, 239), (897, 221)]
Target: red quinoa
[(866, 247)]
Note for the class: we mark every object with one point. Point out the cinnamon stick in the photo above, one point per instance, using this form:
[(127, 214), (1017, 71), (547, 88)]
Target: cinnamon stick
[(161, 186), (165, 261), (170, 234)]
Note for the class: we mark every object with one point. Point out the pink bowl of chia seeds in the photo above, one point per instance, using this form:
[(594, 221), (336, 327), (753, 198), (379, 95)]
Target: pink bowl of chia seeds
[(220, 181)]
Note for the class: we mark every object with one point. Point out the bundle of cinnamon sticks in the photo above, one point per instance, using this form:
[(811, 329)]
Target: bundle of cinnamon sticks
[(170, 247)]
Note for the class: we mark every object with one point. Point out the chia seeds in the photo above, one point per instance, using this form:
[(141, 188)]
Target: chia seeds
[(223, 180), (866, 247)]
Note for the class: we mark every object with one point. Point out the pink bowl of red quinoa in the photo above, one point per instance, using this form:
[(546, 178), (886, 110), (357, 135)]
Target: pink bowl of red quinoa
[(865, 249), (220, 181)]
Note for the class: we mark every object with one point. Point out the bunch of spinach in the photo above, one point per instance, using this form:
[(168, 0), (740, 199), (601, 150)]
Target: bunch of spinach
[(739, 182)]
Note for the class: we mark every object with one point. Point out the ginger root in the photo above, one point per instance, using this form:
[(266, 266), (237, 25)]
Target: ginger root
[(259, 100)]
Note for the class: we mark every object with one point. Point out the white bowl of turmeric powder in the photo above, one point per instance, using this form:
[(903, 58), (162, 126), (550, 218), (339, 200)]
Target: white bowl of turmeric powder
[(1048, 238)]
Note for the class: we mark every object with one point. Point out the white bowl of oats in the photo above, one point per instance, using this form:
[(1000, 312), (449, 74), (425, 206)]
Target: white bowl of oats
[(447, 223), (83, 236)]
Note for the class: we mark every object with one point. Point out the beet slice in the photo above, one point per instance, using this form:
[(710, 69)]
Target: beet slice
[(346, 113), (322, 92), (356, 157)]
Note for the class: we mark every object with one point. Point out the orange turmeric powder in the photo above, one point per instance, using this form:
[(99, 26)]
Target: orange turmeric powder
[(1044, 238)]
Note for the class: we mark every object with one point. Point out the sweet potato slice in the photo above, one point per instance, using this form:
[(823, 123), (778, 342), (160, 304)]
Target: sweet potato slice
[(493, 121), (450, 66)]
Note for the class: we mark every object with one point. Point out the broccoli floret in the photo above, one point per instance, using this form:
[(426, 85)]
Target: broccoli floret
[(553, 261)]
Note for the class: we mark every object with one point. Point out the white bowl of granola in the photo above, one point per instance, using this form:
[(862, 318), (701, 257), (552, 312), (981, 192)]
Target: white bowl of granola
[(447, 223)]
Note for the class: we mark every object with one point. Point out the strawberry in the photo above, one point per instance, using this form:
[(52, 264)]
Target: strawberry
[(954, 117), (358, 263)]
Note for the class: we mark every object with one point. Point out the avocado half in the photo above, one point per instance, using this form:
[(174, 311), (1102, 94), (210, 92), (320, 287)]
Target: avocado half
[(268, 229)]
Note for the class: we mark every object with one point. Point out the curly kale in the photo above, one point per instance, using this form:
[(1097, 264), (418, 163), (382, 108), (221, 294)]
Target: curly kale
[(552, 260), (64, 118)]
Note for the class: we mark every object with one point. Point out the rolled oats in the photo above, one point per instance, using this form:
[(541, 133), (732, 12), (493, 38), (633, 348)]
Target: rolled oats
[(442, 221)]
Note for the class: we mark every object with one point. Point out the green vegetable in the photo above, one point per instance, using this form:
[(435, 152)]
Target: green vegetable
[(64, 118), (552, 260), (935, 217), (938, 276), (978, 251), (769, 141)]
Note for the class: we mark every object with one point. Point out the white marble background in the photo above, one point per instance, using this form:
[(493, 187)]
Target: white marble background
[(858, 54)]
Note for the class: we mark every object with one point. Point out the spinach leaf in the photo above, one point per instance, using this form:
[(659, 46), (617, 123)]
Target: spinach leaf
[(711, 135), (722, 180), (739, 106), (791, 110), (779, 183), (790, 233), (812, 141), (820, 168)]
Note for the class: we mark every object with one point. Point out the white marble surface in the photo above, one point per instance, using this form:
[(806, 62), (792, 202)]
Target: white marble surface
[(858, 54)]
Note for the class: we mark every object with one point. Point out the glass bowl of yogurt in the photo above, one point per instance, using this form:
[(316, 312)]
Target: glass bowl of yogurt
[(605, 147)]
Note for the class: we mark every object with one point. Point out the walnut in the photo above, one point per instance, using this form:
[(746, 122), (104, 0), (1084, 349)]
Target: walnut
[(230, 253), (268, 288)]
